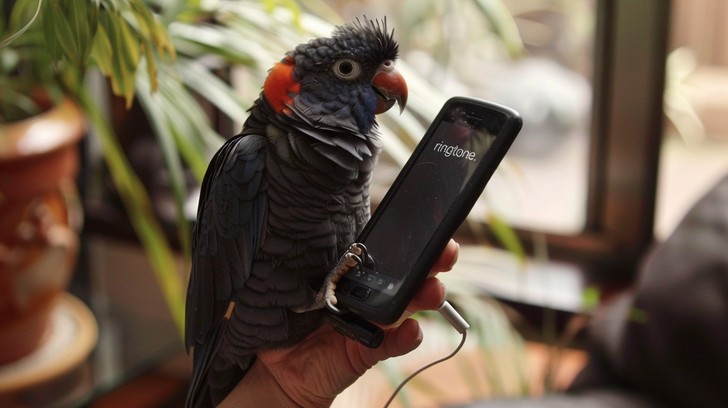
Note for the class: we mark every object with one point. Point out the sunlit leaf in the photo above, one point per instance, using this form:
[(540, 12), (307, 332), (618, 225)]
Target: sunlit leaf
[(212, 88), (116, 76), (171, 157), (196, 159), (152, 31), (52, 41), (174, 9), (151, 66), (64, 33), (204, 39), (102, 52), (130, 55), (83, 20), (187, 110)]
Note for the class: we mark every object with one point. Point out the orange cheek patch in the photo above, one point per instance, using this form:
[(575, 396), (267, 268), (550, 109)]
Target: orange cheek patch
[(279, 85)]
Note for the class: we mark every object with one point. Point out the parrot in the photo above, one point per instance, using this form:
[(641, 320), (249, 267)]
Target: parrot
[(282, 201)]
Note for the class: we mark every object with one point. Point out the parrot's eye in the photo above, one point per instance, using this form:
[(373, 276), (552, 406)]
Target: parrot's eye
[(347, 69)]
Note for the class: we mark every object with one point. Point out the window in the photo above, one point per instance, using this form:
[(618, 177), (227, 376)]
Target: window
[(695, 147)]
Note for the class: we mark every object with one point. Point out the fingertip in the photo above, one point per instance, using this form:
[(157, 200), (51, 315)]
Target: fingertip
[(407, 337), (398, 341), (456, 254), (448, 258), (430, 295)]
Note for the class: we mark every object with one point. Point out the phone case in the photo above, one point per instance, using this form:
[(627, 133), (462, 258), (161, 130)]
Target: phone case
[(377, 290)]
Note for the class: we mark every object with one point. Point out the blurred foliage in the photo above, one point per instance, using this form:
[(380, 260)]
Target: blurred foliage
[(47, 47), (52, 44)]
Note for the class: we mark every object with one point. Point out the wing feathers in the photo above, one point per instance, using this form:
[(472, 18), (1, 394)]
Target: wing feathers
[(228, 232)]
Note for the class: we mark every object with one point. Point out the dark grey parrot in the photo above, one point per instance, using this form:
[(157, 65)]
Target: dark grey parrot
[(283, 200)]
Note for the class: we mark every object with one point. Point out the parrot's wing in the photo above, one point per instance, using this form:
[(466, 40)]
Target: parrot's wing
[(227, 234)]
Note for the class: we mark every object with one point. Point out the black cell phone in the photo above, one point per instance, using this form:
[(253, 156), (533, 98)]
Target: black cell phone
[(427, 202)]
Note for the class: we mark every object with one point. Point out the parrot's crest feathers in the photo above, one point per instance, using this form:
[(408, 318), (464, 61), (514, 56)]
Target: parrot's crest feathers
[(364, 41)]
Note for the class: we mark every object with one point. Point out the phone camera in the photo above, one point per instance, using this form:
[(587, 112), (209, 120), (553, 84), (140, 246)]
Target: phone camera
[(473, 121)]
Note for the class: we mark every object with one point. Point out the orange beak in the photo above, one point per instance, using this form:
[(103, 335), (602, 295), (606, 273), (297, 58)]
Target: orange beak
[(390, 87)]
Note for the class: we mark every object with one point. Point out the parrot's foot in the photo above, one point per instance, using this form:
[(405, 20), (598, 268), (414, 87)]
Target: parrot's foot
[(326, 296), (351, 258)]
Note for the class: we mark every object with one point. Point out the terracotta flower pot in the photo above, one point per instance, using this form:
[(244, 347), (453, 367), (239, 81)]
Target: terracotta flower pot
[(39, 219)]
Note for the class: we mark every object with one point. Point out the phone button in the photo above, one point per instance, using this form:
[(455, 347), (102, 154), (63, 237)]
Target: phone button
[(360, 293)]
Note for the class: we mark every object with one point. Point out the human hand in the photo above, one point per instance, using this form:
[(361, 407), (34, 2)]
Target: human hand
[(313, 372)]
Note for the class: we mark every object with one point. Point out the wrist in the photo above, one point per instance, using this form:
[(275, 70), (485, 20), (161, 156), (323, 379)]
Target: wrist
[(258, 388)]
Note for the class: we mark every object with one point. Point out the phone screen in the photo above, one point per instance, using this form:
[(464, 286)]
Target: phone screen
[(414, 212)]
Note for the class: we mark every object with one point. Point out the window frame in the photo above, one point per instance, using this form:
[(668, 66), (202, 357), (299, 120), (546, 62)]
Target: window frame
[(631, 42)]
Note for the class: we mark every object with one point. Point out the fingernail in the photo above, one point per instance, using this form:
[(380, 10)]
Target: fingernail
[(455, 258), (420, 336), (444, 291)]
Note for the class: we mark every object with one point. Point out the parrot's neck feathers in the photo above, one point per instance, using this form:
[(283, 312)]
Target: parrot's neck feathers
[(341, 123)]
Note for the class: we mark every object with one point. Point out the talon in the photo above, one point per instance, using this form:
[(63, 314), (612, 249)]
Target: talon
[(352, 261), (351, 258), (330, 306), (358, 249), (330, 295), (326, 296)]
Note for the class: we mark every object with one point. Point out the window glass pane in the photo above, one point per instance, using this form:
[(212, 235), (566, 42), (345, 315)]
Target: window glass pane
[(454, 45), (695, 149)]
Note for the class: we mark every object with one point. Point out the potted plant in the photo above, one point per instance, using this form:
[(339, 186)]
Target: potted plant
[(46, 49), (40, 214), (49, 48)]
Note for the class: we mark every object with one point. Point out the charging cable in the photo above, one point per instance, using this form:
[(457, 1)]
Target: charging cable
[(456, 321)]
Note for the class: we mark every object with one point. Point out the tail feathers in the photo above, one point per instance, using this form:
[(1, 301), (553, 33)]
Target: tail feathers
[(222, 378), (213, 376), (210, 389), (198, 395)]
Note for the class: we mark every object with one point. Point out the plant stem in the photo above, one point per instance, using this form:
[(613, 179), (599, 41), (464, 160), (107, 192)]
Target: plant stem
[(138, 205)]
